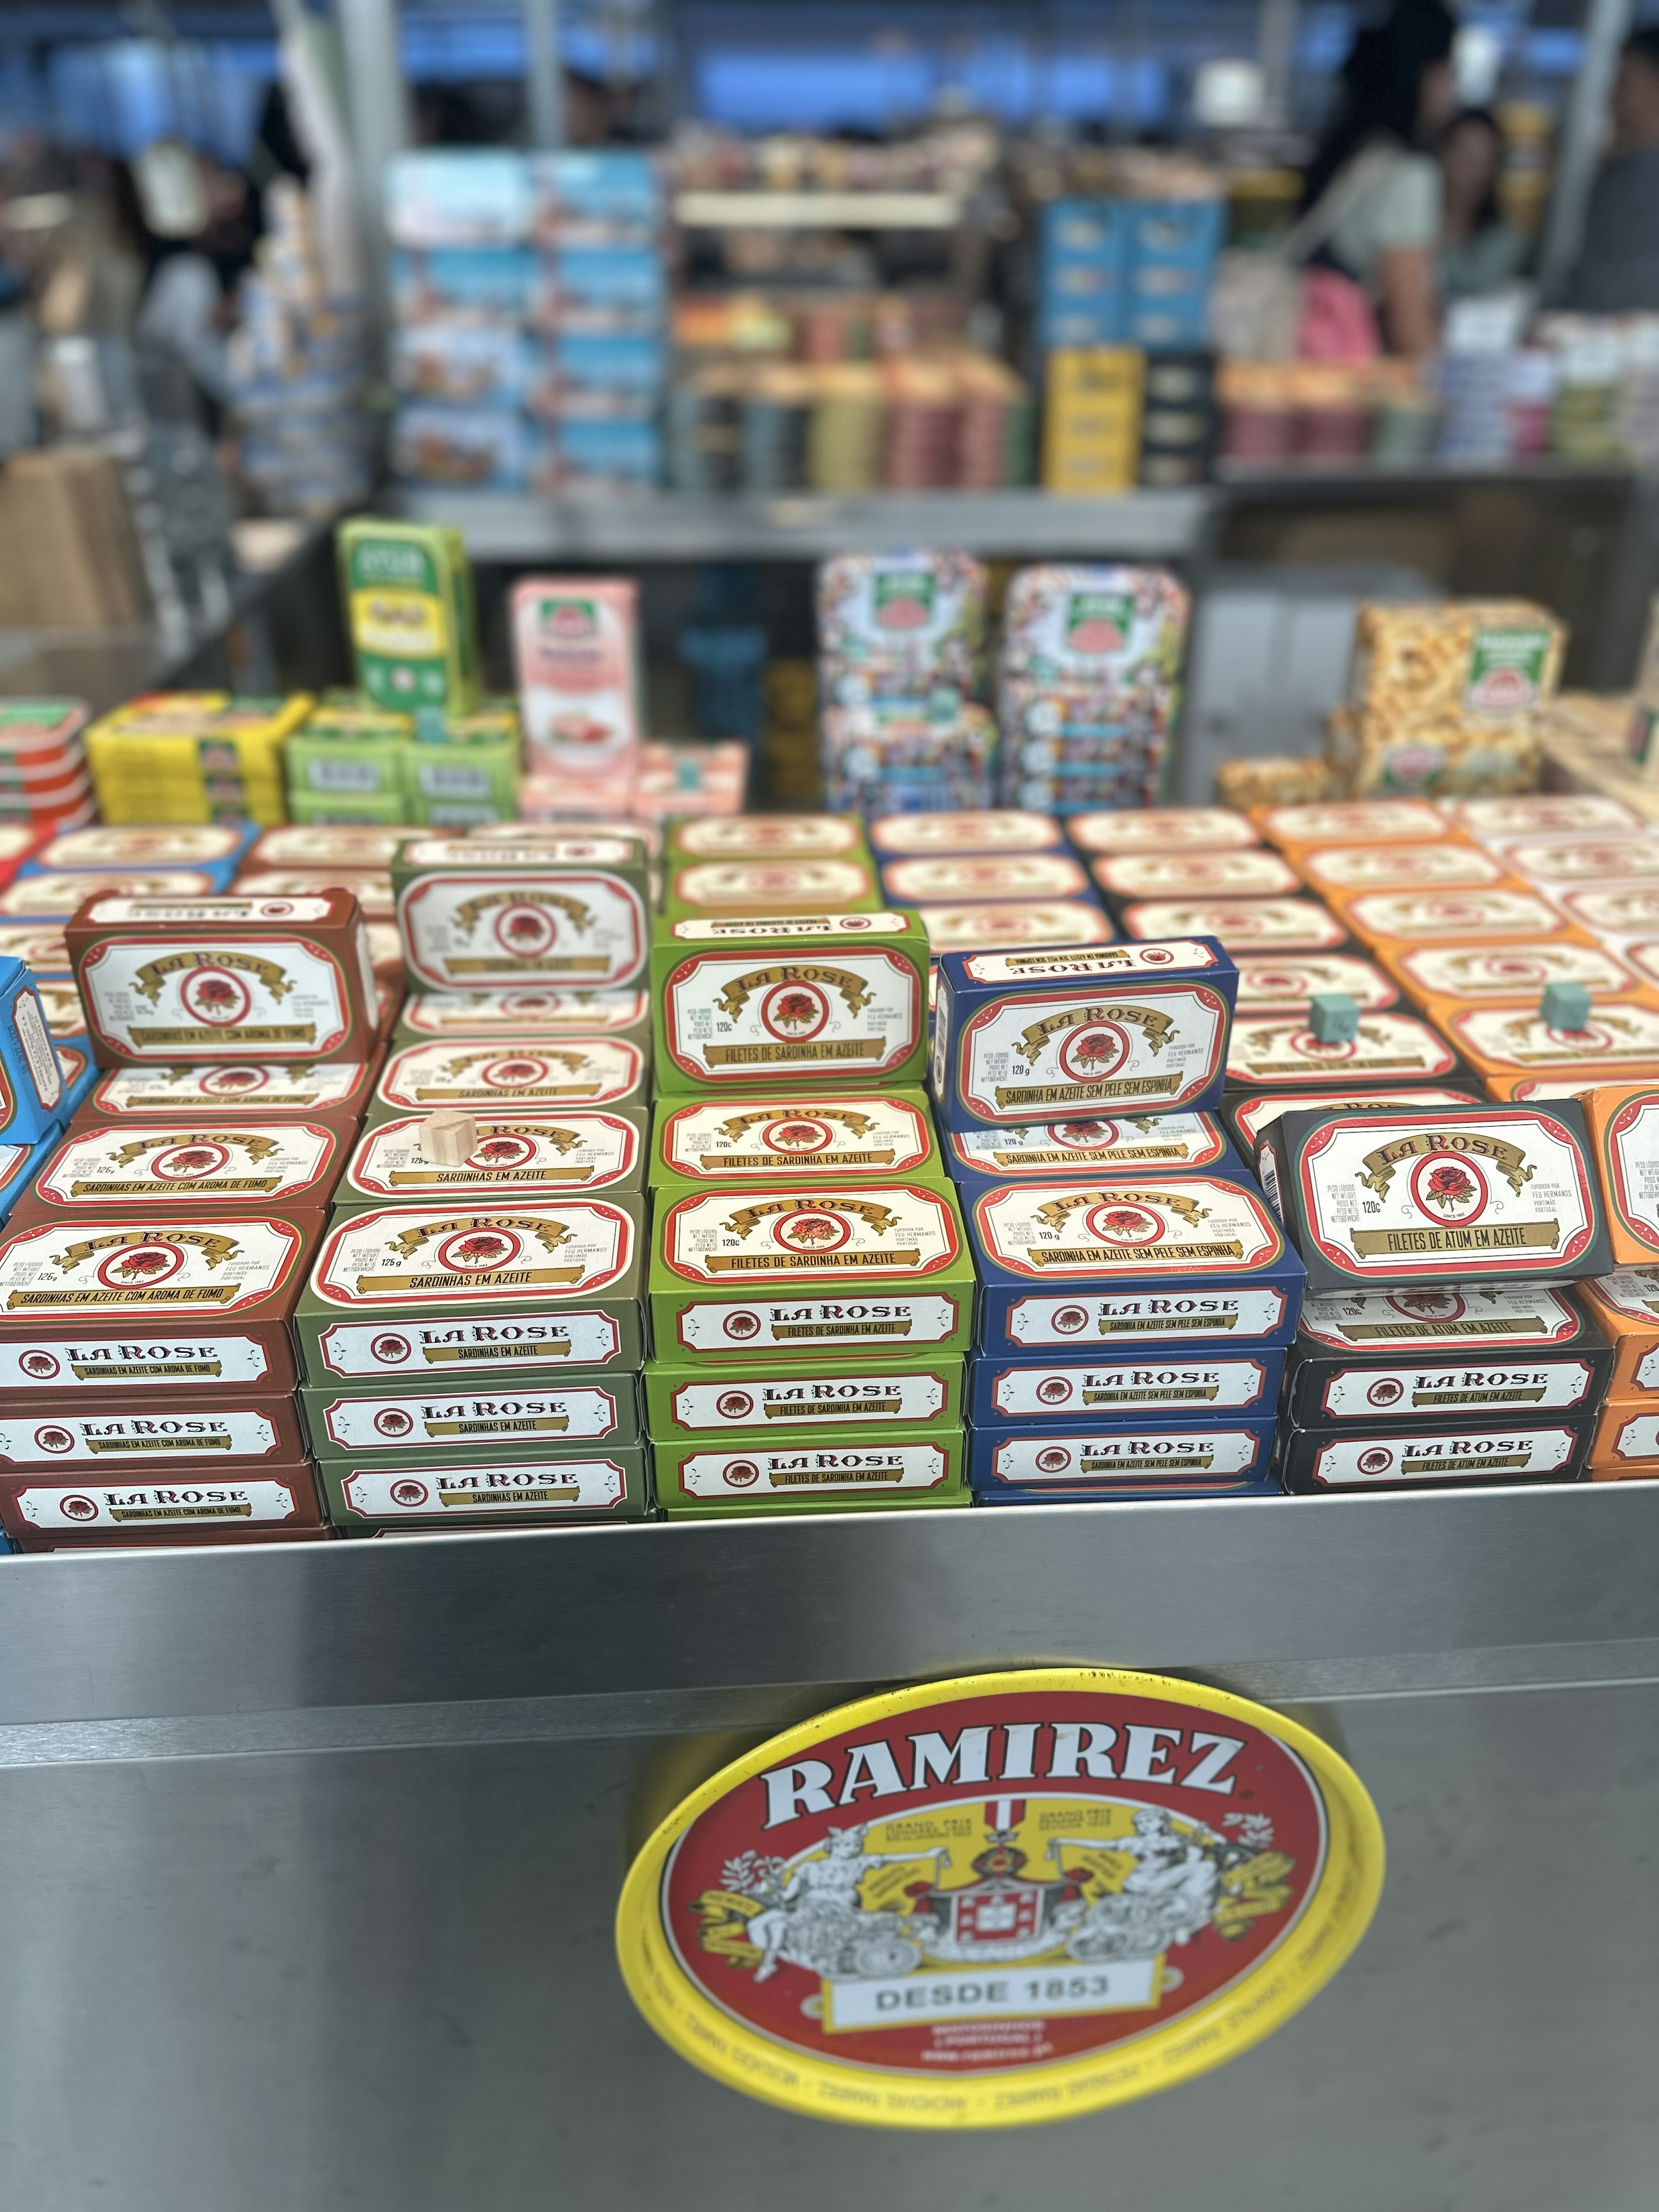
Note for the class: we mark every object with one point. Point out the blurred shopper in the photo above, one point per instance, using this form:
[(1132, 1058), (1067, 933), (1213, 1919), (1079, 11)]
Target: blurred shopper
[(1479, 252), (200, 247), (1618, 267), (1372, 191)]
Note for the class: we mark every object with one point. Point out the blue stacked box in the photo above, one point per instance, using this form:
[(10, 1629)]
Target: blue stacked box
[(1127, 272), (1171, 255), (1083, 272), (1137, 1296)]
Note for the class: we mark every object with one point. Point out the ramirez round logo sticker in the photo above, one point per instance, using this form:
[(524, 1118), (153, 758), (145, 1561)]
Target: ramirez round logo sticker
[(1000, 1900)]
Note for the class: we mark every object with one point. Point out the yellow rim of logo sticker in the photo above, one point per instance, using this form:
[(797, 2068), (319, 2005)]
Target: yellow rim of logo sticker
[(1328, 1925)]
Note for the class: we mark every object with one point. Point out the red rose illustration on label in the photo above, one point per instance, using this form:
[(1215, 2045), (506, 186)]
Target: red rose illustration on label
[(1004, 1900), (1124, 1224), (143, 1263), (813, 1232), (213, 995), (796, 1011), (1091, 1053), (190, 1163), (796, 1136), (1448, 1188), (231, 1082), (503, 1152), (479, 1250), (1082, 1134), (525, 931), (514, 1074)]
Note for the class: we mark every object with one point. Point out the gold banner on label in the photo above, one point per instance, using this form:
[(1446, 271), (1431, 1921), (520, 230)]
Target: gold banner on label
[(1377, 1332), (738, 1263), (155, 1443), (549, 963), (531, 1424), (840, 1328), (438, 1355), (243, 1512), (241, 1034), (403, 1178), (497, 1279), (1195, 1461), (1476, 1397), (1259, 1069), (1065, 1255), (236, 1140), (161, 1294), (566, 1495), (208, 1187), (1476, 1237), (855, 992), (1182, 1391), (1057, 1210), (154, 974), (133, 1370), (875, 1216), (798, 1477), (1509, 1159), (1086, 1094), (494, 1097), (1149, 1324), (1149, 1153), (737, 1126), (786, 1055), (753, 1163), (858, 1409), (526, 893), (1154, 1025), (1465, 1466)]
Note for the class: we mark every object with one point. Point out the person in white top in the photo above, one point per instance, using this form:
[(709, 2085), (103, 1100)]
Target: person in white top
[(1384, 190)]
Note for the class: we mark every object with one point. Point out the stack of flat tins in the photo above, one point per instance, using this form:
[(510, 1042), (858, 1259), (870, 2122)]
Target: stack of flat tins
[(811, 1291), (1137, 1295), (151, 1276), (472, 1331)]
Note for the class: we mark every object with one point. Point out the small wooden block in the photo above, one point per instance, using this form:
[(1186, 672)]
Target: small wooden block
[(449, 1137)]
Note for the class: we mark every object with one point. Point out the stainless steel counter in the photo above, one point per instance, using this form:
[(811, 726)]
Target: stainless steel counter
[(382, 1980), (580, 1632)]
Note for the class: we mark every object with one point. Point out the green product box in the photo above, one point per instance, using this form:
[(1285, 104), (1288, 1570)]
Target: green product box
[(438, 1490), (544, 1011), (787, 1269), (730, 1144), (855, 1471), (494, 915), (869, 1396), (407, 589), (348, 754), (836, 1002), (473, 1292), (468, 775), (311, 806), (771, 888), (528, 1154), (388, 1425)]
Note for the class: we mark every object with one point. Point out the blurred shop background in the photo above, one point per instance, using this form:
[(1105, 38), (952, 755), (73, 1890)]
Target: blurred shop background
[(1310, 302)]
